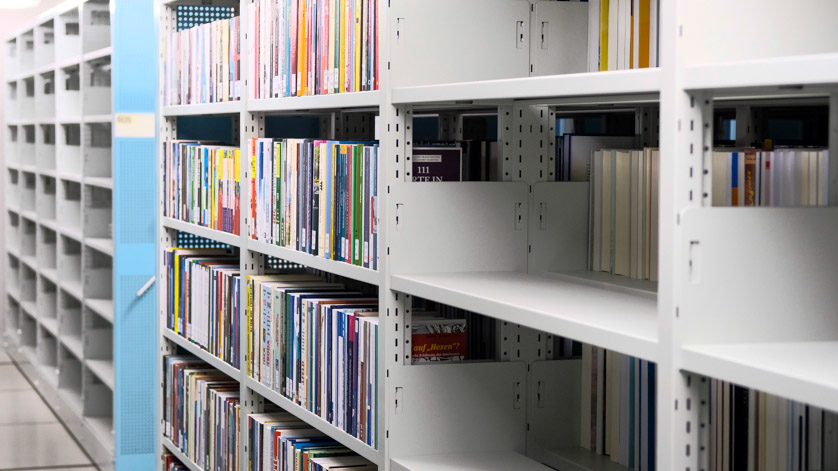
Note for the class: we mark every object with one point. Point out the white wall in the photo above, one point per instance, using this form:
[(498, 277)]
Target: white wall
[(11, 20)]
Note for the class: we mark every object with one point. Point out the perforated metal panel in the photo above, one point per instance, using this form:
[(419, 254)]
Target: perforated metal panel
[(136, 196), (194, 15), (135, 401), (192, 241), (280, 264)]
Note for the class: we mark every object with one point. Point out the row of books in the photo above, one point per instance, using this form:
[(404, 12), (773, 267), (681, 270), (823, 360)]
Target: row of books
[(782, 177), (281, 442), (622, 34), (318, 197), (316, 343), (201, 412), (624, 212), (203, 64), (618, 407), (203, 301), (313, 47), (753, 430), (201, 184)]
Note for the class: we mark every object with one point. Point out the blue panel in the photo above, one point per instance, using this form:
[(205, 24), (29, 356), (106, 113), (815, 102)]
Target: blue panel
[(134, 33), (135, 334), (135, 323), (135, 66), (135, 353)]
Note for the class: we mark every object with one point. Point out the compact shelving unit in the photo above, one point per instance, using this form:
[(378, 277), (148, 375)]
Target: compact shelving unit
[(745, 295), (64, 194)]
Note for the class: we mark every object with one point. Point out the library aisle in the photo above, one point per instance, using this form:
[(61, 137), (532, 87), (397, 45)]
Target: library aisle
[(31, 437)]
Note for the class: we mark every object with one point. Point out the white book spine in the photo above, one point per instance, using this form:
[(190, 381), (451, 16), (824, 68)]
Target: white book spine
[(593, 35), (606, 213)]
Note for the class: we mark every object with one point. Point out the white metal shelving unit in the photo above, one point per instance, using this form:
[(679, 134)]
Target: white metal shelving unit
[(512, 249), (60, 247)]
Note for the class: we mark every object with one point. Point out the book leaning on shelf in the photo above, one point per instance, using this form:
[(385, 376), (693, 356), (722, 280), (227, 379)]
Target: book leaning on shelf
[(282, 442), (316, 343), (202, 298), (319, 197), (316, 47), (201, 412), (203, 64), (618, 403), (201, 184), (624, 212)]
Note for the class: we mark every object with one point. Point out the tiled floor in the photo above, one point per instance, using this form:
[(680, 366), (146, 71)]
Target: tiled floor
[(31, 437)]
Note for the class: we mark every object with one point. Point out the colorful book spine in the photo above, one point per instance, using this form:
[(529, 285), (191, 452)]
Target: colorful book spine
[(202, 289), (783, 177), (281, 442), (203, 64), (202, 184), (316, 343), (319, 197), (201, 412), (314, 47)]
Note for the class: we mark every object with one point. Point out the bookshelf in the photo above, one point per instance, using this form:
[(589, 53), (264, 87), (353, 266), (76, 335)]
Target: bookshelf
[(70, 322), (515, 249)]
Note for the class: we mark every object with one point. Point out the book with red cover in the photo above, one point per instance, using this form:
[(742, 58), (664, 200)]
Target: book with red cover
[(438, 339)]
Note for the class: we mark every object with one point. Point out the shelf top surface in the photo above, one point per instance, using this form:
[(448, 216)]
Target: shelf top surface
[(617, 84), (795, 75), (354, 272), (227, 107), (804, 371), (369, 99), (103, 307), (205, 232), (609, 318), (103, 369), (215, 362), (478, 461)]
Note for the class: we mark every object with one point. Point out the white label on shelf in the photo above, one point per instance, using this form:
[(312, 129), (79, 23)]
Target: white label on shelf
[(134, 125)]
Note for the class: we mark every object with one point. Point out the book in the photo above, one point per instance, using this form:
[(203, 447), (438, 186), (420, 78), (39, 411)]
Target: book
[(782, 177), (436, 164), (202, 185), (314, 48), (316, 196), (203, 64), (438, 339), (617, 407), (623, 213), (200, 410), (622, 34), (574, 163), (316, 343)]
